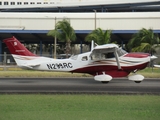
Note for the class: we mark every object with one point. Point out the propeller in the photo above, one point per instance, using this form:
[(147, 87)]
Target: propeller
[(152, 58)]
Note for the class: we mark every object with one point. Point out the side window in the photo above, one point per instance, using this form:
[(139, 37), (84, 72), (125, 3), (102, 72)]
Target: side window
[(0, 3), (109, 55), (85, 58)]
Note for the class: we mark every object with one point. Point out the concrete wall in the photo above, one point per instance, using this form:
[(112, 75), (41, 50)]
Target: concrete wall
[(81, 21)]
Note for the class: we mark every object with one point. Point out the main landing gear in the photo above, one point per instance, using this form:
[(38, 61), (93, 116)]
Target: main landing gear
[(103, 78)]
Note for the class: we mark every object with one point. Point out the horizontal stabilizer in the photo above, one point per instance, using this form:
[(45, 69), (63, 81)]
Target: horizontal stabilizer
[(30, 66)]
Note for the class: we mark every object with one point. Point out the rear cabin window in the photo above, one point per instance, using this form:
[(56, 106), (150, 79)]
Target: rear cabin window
[(85, 58)]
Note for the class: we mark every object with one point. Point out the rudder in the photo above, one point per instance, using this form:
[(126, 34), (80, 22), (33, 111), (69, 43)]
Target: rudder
[(16, 48)]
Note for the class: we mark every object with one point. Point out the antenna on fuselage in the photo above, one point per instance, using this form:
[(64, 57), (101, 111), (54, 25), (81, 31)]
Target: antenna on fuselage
[(92, 45)]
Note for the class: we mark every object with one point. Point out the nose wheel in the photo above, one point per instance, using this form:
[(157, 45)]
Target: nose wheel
[(136, 78)]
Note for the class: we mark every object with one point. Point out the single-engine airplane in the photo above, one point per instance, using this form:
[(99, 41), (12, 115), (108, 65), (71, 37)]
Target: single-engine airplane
[(104, 62)]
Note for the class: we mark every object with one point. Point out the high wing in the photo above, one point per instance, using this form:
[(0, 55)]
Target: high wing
[(105, 51)]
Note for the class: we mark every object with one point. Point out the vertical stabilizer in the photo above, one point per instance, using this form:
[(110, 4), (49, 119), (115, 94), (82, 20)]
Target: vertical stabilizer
[(16, 48)]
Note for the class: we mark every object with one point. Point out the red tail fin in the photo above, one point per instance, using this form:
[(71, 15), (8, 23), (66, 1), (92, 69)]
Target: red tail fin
[(15, 47)]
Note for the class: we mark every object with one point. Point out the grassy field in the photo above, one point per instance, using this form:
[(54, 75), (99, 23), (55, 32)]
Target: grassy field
[(79, 107), (17, 72)]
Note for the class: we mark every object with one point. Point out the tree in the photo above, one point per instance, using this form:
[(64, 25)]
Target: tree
[(144, 41), (65, 33), (99, 36)]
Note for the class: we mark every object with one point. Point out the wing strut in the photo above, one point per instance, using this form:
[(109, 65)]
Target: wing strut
[(117, 58)]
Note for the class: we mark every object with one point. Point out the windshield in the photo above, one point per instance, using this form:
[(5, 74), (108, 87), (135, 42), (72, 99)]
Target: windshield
[(121, 52)]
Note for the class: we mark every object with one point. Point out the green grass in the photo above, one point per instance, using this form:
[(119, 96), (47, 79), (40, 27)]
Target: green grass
[(43, 74), (150, 72), (79, 107)]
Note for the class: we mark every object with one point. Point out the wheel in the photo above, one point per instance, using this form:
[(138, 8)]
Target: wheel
[(105, 82), (137, 81)]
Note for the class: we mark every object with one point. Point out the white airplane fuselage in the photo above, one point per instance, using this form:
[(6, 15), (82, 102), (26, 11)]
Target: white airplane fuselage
[(77, 65)]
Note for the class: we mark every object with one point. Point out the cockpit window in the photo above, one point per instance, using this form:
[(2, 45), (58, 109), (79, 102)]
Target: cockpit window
[(109, 55), (102, 56), (121, 52)]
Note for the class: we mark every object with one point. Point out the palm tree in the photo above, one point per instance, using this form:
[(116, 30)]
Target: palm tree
[(65, 33), (144, 41), (99, 36)]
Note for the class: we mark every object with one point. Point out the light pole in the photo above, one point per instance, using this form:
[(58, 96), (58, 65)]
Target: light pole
[(55, 42), (95, 18)]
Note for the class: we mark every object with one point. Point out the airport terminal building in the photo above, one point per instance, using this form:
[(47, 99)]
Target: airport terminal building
[(30, 20)]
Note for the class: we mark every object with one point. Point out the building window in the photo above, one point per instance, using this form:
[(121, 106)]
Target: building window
[(25, 3), (38, 2), (12, 3), (5, 3), (19, 3), (32, 3), (45, 3)]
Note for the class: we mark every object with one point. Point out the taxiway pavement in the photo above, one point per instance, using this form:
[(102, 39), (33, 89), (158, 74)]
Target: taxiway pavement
[(77, 86)]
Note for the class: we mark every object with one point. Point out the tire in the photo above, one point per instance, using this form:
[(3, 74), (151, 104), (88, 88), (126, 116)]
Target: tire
[(137, 81), (105, 82)]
